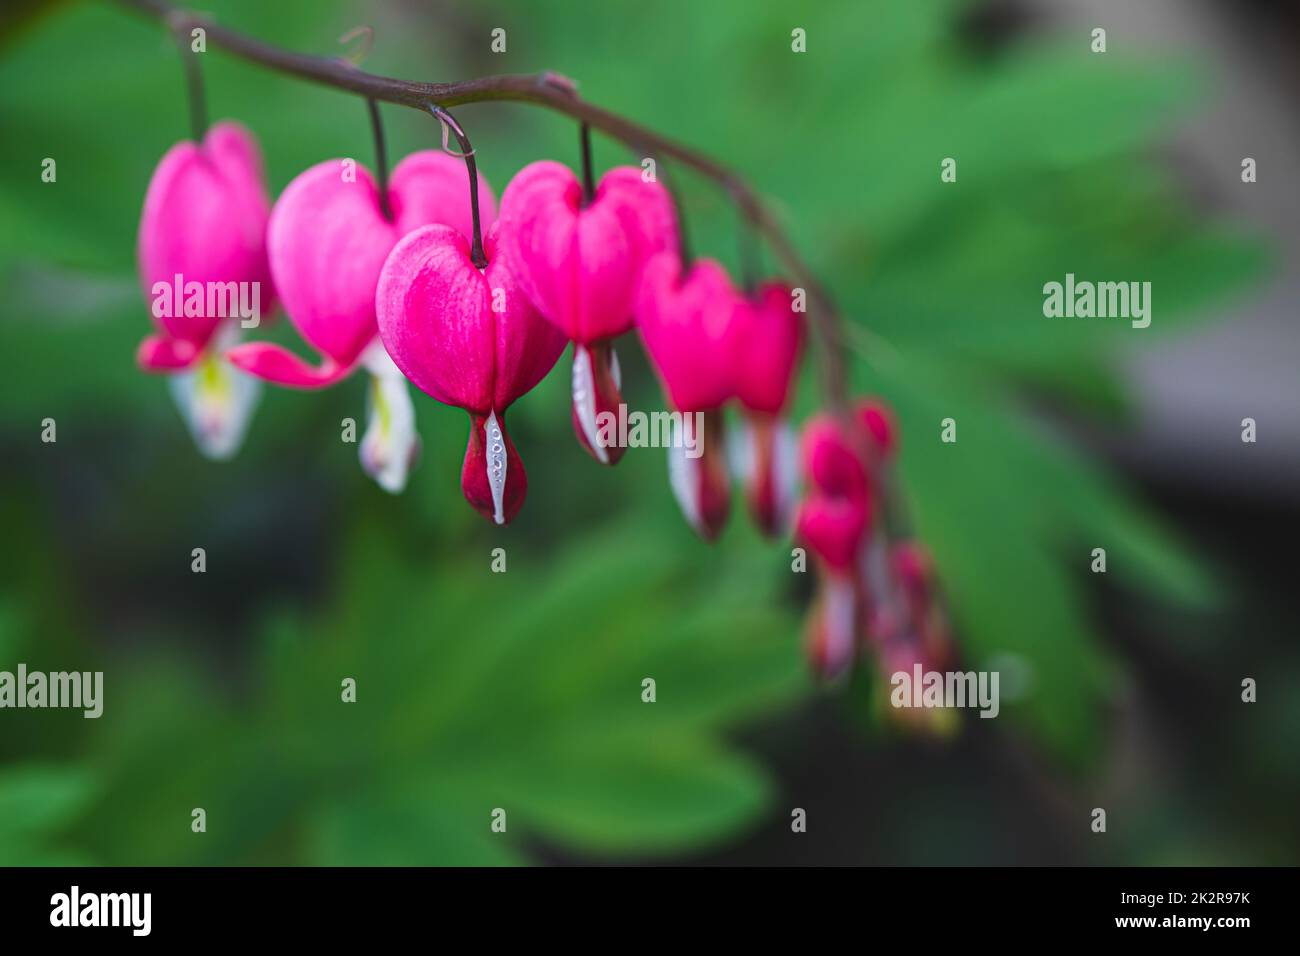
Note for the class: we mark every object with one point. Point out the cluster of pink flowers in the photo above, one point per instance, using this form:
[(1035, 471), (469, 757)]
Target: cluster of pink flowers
[(474, 305)]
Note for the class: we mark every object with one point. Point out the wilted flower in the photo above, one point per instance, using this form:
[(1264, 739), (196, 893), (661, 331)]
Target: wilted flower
[(328, 239), (580, 264), (201, 247), (469, 338)]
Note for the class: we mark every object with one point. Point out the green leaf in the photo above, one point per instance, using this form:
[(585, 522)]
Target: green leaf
[(37, 800)]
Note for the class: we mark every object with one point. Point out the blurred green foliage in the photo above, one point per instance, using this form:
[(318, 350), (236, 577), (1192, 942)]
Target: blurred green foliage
[(522, 691)]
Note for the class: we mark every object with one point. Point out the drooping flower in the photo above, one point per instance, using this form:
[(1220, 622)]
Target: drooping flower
[(834, 521), (686, 323), (876, 595), (328, 239), (201, 251), (580, 264), (767, 337), (469, 338)]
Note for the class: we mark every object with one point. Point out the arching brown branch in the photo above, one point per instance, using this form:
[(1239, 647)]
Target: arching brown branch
[(556, 93)]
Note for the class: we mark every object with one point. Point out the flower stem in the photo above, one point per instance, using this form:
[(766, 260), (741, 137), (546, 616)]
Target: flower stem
[(588, 183), (748, 256), (476, 254), (381, 157), (193, 80)]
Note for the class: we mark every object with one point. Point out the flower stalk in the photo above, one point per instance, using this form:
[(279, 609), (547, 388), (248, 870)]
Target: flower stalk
[(476, 255), (381, 158)]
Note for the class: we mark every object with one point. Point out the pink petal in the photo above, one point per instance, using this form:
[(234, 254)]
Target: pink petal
[(431, 187), (439, 321), (204, 219), (158, 353), (435, 318), (274, 363), (685, 324), (527, 346), (834, 529), (581, 266), (831, 461), (768, 337), (327, 241)]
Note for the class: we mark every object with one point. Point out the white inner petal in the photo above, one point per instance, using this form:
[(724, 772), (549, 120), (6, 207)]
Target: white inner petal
[(388, 448), (584, 400), (683, 477), (615, 372), (216, 400), (495, 455), (376, 360), (741, 452), (785, 473)]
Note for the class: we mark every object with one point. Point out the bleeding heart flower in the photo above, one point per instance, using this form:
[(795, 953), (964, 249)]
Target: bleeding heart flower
[(835, 529), (204, 219), (469, 338), (328, 239), (203, 227), (834, 517), (834, 522), (581, 264), (767, 336), (686, 325)]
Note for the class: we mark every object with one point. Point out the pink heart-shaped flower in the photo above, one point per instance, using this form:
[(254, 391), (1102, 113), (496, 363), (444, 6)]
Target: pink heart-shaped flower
[(766, 341), (581, 264), (469, 338), (767, 338), (204, 220), (686, 324), (834, 528), (835, 516)]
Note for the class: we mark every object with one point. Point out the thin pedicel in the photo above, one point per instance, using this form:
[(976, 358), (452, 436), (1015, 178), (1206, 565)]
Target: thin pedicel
[(448, 121)]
